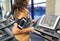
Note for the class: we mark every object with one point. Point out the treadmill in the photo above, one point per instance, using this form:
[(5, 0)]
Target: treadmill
[(5, 29), (48, 27)]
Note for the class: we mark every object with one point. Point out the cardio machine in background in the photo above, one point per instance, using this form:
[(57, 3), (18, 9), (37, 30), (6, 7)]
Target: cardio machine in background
[(5, 28), (48, 27)]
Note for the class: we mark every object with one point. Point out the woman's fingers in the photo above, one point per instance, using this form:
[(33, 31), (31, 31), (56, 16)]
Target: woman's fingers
[(33, 21), (15, 24)]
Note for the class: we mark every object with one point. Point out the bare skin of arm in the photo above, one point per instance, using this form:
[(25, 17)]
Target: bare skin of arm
[(16, 30)]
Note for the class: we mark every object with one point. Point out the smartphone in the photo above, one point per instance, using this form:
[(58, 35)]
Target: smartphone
[(22, 23)]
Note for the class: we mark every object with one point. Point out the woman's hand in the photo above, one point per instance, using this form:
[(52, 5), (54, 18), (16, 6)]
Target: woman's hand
[(16, 30), (33, 21)]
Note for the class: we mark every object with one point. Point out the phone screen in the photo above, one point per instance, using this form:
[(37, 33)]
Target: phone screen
[(22, 23)]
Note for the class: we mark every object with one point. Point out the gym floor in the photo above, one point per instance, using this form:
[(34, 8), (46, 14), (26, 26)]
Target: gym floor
[(35, 37)]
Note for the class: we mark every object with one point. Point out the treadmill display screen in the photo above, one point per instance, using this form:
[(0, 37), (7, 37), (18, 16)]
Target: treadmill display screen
[(49, 21)]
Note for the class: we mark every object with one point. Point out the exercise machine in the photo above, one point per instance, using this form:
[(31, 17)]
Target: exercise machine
[(5, 30), (48, 27)]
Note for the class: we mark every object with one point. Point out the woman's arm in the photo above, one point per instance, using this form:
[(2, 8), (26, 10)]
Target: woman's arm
[(16, 30)]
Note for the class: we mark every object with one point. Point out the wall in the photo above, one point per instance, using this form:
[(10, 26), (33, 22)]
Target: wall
[(6, 6), (57, 7), (50, 7), (53, 7)]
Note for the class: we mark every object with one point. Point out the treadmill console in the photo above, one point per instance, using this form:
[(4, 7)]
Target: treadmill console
[(48, 21), (48, 25)]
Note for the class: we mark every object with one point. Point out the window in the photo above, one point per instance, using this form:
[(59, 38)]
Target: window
[(0, 9), (39, 8)]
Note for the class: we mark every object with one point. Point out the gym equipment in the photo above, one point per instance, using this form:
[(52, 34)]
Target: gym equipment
[(47, 27), (5, 32), (4, 36)]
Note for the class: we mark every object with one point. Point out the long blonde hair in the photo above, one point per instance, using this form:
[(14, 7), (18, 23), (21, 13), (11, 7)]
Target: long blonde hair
[(20, 6)]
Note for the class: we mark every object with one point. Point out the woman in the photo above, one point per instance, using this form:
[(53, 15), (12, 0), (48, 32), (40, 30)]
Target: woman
[(20, 10)]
